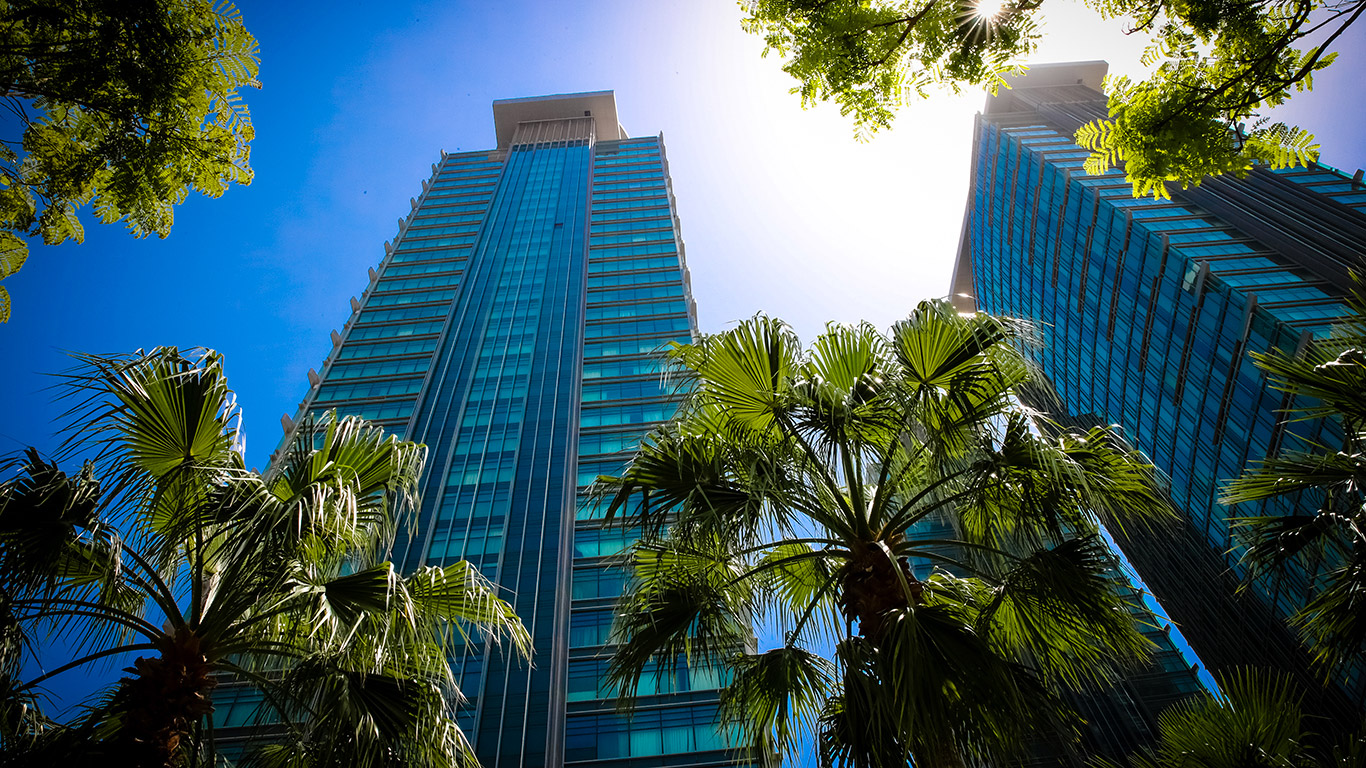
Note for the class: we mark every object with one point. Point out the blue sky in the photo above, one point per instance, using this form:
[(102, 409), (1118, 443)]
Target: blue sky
[(782, 211)]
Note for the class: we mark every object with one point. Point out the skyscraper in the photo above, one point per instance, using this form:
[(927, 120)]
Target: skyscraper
[(1149, 310), (510, 327)]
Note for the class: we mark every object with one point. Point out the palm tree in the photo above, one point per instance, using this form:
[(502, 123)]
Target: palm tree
[(166, 546), (786, 490), (1255, 721), (1326, 381)]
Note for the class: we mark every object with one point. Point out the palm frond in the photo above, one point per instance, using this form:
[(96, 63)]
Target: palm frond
[(1333, 622), (161, 423), (1257, 721), (44, 513), (685, 605), (459, 594), (748, 369), (1295, 472), (361, 718), (776, 696), (1062, 608)]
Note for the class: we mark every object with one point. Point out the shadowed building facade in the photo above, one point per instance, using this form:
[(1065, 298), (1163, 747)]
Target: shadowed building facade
[(1149, 310), (1118, 719), (510, 327)]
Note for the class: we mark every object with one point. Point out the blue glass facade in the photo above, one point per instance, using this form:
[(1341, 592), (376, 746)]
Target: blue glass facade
[(511, 328), (1148, 311)]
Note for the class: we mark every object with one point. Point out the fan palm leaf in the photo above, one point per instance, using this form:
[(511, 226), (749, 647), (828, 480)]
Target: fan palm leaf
[(1256, 722)]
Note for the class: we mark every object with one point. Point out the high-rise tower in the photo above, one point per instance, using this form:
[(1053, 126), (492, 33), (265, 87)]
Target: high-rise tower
[(1149, 309), (510, 328)]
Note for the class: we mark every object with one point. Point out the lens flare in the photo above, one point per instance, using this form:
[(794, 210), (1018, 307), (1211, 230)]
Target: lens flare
[(989, 9)]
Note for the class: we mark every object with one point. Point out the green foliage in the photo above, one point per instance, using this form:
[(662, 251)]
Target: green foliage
[(783, 493), (873, 57), (1256, 722), (1328, 379), (124, 105), (272, 581), (1218, 64), (1175, 127)]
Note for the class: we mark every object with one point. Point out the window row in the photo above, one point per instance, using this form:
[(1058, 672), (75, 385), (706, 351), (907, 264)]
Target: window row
[(332, 392), (423, 268), (444, 254), (371, 411), (472, 205), (600, 263), (633, 226), (450, 278), (411, 243), (651, 191), (638, 327), (670, 274), (636, 294), (610, 442), (437, 217), (384, 368), (355, 351), (647, 413), (615, 311), (394, 331), (402, 313), (424, 230), (393, 299), (473, 180), (601, 218), (628, 154), (631, 202), (446, 547), (588, 680), (478, 442), (607, 161), (603, 542), (597, 583), (1218, 249), (622, 347), (456, 169), (654, 183), (646, 733), (653, 386), (590, 471), (641, 367), (1275, 276), (503, 472), (643, 169), (483, 188)]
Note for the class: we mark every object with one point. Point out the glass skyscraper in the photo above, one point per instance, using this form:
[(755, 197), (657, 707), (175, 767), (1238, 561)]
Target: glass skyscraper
[(510, 327), (1148, 311)]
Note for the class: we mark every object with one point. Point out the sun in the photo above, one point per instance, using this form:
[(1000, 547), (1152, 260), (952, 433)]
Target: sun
[(988, 9)]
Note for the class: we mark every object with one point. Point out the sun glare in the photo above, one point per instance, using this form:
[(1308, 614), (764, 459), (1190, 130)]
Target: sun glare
[(989, 9)]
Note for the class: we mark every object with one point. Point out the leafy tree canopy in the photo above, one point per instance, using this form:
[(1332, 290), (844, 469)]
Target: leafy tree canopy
[(1217, 63), (125, 105)]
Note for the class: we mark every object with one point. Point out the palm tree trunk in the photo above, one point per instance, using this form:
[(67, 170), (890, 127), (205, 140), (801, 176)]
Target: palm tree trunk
[(161, 702), (872, 587)]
